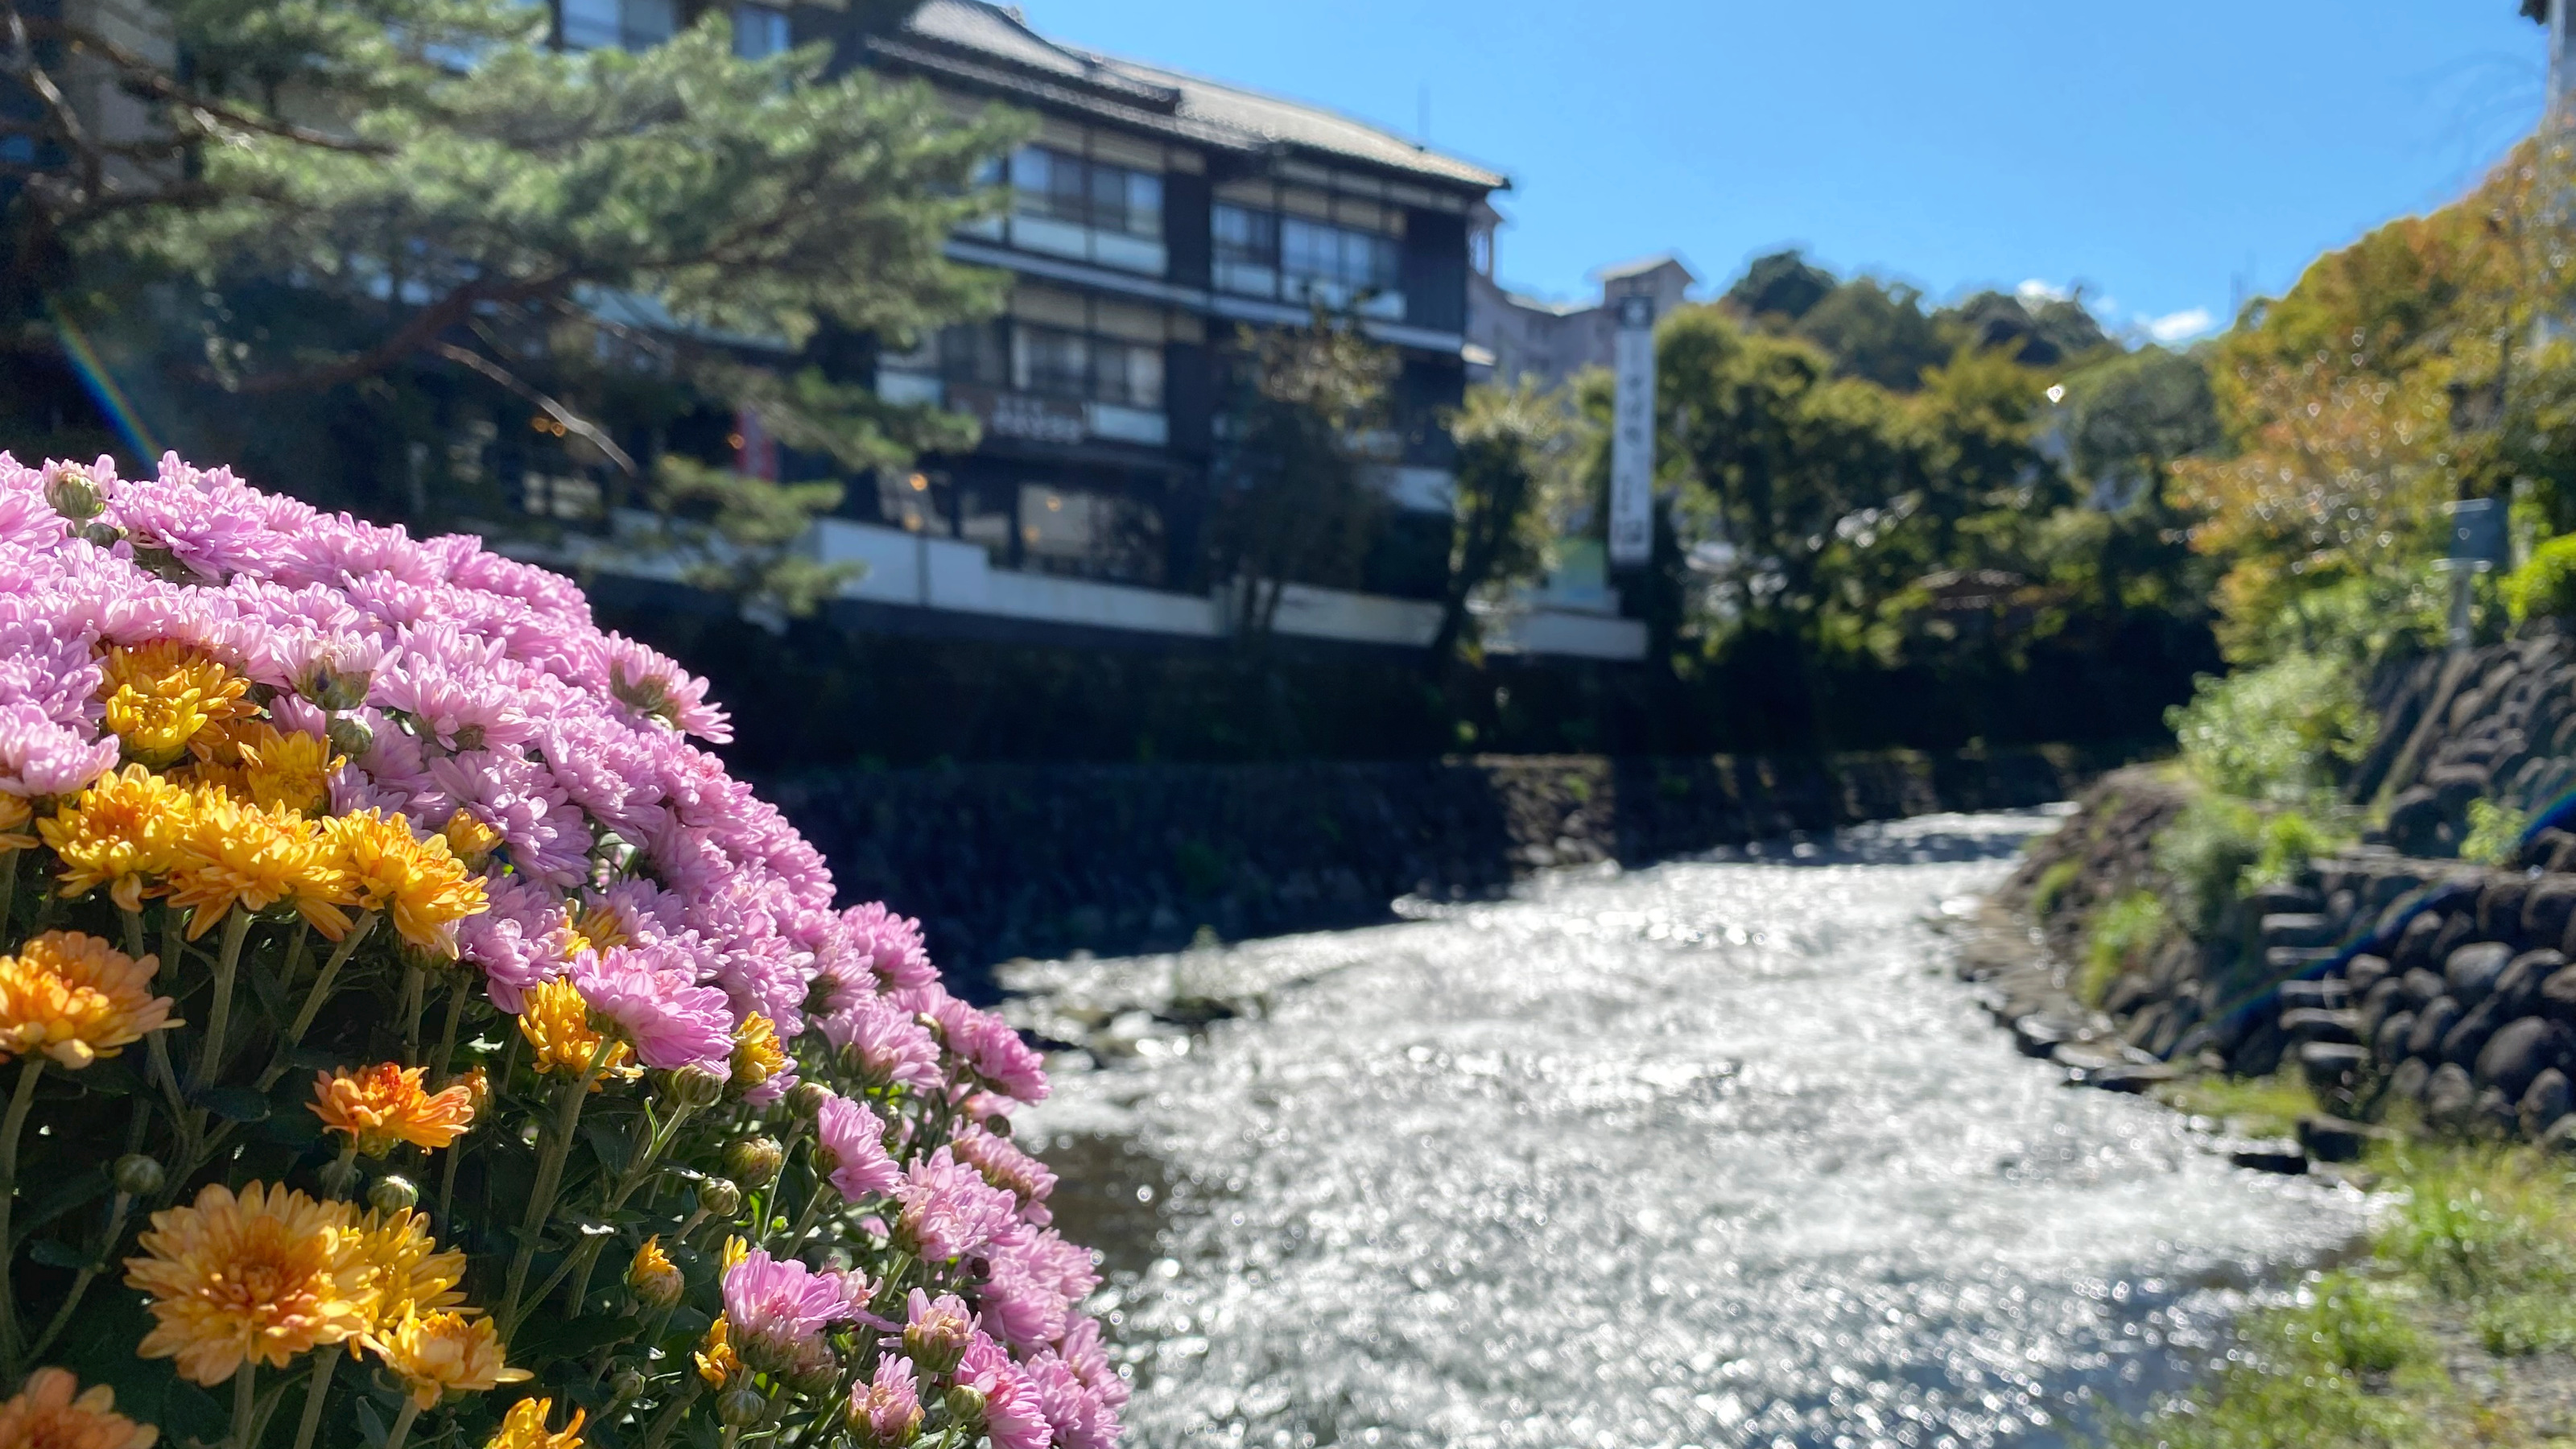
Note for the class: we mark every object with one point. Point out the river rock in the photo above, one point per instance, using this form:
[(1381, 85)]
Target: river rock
[(2389, 1042), (2521, 981), (2362, 974), (2414, 949), (2325, 994), (2548, 908), (2422, 987), (2547, 1099), (2282, 1157), (2385, 1000), (2432, 1024), (2309, 1023), (2560, 1136), (2450, 1096), (2558, 994), (2302, 929), (2332, 1139), (2410, 1080), (2500, 908), (2132, 1077), (2468, 1037), (2491, 1116), (2519, 1051), (2330, 1066), (2472, 970)]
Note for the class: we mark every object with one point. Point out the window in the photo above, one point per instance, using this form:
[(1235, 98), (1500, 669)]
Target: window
[(1294, 258), (616, 24), (1061, 187), (759, 30), (1054, 362)]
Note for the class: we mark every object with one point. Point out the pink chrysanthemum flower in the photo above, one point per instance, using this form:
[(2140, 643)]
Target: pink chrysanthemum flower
[(889, 1047), (1012, 1416), (647, 993), (854, 1141), (778, 1311), (948, 1209), (886, 1410)]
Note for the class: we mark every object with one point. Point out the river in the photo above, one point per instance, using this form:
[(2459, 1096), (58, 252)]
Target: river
[(1713, 1153)]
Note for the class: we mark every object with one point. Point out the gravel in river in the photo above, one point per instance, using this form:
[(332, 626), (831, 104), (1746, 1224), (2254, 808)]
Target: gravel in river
[(1712, 1153)]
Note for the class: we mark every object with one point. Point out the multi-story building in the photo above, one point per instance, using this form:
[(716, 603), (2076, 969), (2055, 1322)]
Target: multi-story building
[(1512, 336), (1155, 215)]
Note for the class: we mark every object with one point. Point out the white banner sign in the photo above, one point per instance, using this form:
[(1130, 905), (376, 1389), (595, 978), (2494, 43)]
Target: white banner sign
[(1632, 437)]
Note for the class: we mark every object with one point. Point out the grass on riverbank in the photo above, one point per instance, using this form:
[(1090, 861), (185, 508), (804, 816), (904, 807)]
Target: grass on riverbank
[(2456, 1329), (2250, 1106)]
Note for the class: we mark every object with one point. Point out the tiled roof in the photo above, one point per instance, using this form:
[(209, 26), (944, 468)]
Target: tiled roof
[(1016, 57)]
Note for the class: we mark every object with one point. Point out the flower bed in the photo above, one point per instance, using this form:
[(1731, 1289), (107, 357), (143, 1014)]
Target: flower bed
[(410, 1037)]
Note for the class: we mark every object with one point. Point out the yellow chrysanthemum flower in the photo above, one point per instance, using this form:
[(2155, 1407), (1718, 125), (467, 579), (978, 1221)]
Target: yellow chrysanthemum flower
[(241, 856), (469, 839), (264, 1276), (716, 1361), (47, 1414), (445, 1351), (122, 832), (76, 998), (597, 927), (386, 1104), (282, 770), (556, 1021), (15, 813), (757, 1056), (160, 695), (654, 1277), (419, 883), (736, 1248), (524, 1427), (408, 1273)]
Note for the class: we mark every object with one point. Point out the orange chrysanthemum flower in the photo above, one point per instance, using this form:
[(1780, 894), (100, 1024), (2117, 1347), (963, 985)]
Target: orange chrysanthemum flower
[(408, 1272), (654, 1277), (386, 1104), (717, 1363), (445, 1351), (122, 832), (15, 814), (264, 1276), (160, 695), (47, 1415), (757, 1056), (236, 855), (524, 1427), (76, 999), (556, 1021), (419, 883)]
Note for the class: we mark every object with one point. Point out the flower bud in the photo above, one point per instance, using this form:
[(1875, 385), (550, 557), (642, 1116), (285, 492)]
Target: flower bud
[(937, 1340), (626, 1383), (70, 493), (697, 1085), (349, 737), (814, 1380), (105, 535), (137, 1175), (654, 1277), (998, 1124), (719, 1196), (754, 1160), (330, 686), (740, 1407), (966, 1406), (807, 1098), (931, 1024), (393, 1194)]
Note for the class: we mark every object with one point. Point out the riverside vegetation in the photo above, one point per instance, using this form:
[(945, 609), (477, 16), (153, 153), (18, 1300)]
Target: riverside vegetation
[(413, 1039)]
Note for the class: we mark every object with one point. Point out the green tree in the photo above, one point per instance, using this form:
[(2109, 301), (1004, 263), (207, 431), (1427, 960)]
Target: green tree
[(1784, 285), (392, 204), (1878, 331), (1307, 416), (1514, 448)]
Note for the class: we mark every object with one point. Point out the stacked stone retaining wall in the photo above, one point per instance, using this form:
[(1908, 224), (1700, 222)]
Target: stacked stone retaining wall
[(1043, 860)]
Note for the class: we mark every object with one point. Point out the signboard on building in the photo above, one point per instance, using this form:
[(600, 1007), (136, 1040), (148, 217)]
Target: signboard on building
[(1020, 415), (1632, 436)]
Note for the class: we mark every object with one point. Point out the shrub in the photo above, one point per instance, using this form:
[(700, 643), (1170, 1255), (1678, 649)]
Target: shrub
[(2123, 934), (2051, 886), (521, 1045), (2545, 586), (2291, 840), (2208, 851), (2495, 833), (2280, 732)]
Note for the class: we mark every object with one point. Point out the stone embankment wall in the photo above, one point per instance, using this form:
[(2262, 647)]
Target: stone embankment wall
[(2398, 986), (1042, 860), (2497, 723)]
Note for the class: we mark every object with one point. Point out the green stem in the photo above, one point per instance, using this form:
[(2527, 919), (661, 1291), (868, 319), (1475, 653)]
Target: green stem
[(9, 888), (314, 999), (670, 1415), (636, 1172), (541, 1196), (62, 1318), (415, 987), (19, 1101), (219, 1016), (447, 1184), (245, 1400), (402, 1424), (314, 1396), (295, 952), (133, 932), (439, 1074)]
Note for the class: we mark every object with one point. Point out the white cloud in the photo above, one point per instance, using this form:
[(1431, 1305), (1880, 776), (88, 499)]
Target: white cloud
[(2180, 326), (2035, 291)]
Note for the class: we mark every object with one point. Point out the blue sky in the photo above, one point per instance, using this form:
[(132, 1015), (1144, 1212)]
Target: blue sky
[(2162, 154)]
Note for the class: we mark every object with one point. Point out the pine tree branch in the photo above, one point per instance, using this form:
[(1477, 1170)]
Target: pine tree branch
[(572, 422)]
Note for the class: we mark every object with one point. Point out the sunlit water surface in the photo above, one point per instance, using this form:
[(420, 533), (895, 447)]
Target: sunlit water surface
[(1710, 1153)]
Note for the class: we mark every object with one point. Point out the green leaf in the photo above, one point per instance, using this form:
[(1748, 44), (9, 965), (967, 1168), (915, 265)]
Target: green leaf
[(55, 1253), (233, 1104), (371, 1424), (67, 1195), (546, 1336)]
